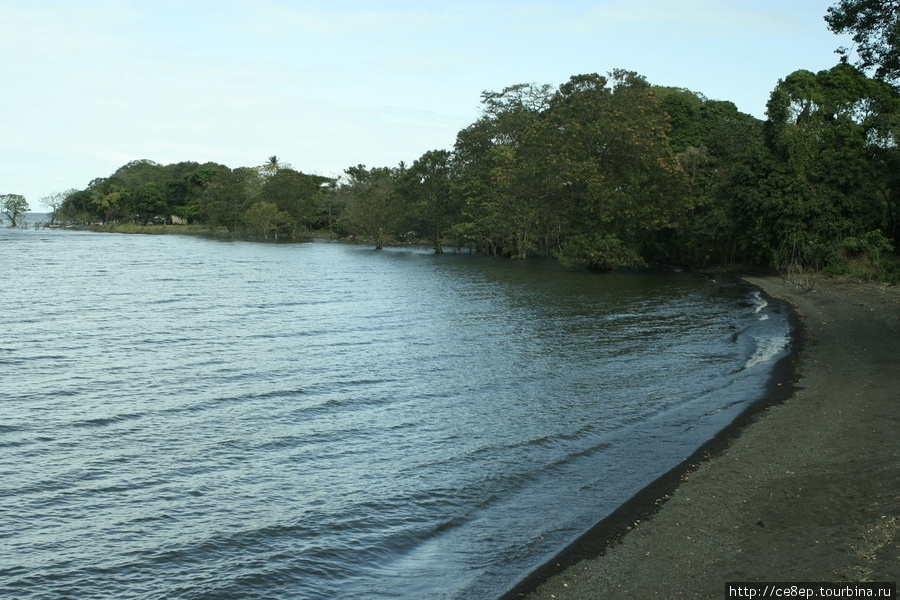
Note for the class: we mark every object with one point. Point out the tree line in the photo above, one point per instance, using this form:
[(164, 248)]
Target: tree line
[(603, 170), (271, 199)]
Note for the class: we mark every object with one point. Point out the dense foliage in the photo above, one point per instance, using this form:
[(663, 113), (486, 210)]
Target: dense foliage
[(604, 171), (875, 25), (268, 200)]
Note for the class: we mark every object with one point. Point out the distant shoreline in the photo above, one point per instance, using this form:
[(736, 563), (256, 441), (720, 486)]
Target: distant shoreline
[(801, 487)]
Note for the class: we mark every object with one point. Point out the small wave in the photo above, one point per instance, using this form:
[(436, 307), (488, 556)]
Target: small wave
[(766, 350), (571, 457), (278, 393), (219, 402), (758, 301), (103, 421), (726, 406), (164, 301)]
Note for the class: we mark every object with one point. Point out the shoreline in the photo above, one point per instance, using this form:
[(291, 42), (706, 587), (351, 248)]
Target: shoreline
[(802, 486)]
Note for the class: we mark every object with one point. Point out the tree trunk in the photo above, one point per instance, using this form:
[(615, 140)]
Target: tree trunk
[(437, 242)]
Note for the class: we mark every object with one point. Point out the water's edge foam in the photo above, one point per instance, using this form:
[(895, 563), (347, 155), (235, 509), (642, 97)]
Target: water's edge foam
[(649, 500)]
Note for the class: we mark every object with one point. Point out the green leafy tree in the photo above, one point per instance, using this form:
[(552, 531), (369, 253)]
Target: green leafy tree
[(264, 219), (226, 198), (490, 181), (77, 207), (294, 193), (613, 172), (184, 194), (826, 178), (331, 202), (150, 203), (180, 187), (886, 161), (14, 206), (104, 198), (112, 201), (272, 165), (426, 187), (875, 26), (684, 110), (373, 208), (711, 138), (136, 173), (586, 173)]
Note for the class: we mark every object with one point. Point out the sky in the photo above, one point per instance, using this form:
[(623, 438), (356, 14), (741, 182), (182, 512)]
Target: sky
[(88, 85)]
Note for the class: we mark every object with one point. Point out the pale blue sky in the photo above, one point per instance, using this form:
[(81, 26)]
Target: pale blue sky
[(88, 85)]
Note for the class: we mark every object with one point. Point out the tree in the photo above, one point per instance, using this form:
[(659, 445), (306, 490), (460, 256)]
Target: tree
[(264, 218), (294, 193), (149, 203), (227, 197), (331, 202), (372, 208), (585, 174), (184, 194), (272, 165), (609, 168), (114, 201), (138, 172), (55, 203), (13, 206), (489, 178), (426, 187), (77, 206), (826, 176), (875, 25), (710, 139)]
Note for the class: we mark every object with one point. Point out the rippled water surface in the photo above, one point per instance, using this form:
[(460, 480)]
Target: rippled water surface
[(192, 418)]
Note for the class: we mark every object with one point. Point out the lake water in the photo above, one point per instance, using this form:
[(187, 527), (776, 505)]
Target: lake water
[(184, 417)]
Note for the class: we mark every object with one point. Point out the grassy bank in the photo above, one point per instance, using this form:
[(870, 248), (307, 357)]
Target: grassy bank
[(155, 229)]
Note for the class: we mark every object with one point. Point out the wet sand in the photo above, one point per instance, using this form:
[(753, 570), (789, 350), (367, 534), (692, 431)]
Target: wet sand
[(806, 488)]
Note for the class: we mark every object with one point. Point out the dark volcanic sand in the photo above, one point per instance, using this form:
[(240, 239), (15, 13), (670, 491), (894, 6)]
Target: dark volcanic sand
[(806, 490)]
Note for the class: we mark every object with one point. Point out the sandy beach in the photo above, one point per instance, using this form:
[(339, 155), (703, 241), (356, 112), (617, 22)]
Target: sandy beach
[(806, 488)]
